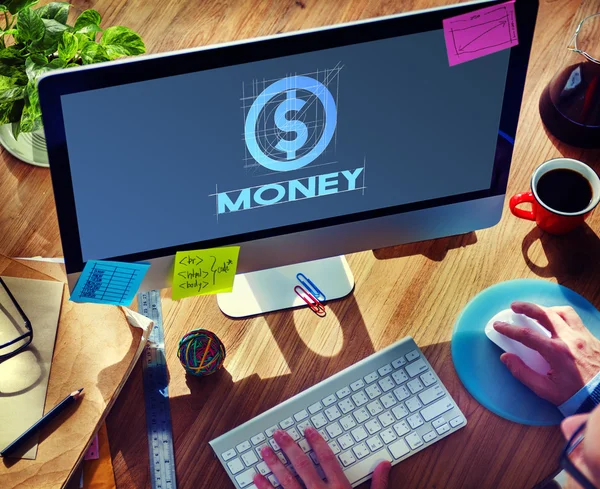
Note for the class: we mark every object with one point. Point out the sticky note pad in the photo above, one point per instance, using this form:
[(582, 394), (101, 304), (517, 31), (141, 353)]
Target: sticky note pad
[(481, 32), (203, 272), (109, 282), (93, 452)]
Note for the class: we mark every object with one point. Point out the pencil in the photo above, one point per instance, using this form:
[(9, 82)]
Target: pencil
[(43, 421)]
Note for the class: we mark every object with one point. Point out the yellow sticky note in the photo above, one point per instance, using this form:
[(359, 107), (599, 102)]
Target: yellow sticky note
[(203, 272)]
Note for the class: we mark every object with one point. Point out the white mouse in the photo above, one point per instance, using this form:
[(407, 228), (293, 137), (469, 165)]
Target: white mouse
[(530, 357)]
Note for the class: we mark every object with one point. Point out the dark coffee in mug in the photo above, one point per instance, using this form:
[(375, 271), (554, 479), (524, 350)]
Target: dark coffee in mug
[(565, 190)]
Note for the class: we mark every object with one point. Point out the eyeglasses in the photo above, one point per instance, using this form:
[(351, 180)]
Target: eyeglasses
[(592, 25), (568, 465), (10, 308)]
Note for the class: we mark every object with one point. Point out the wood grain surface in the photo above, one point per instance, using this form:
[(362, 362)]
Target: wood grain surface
[(416, 289)]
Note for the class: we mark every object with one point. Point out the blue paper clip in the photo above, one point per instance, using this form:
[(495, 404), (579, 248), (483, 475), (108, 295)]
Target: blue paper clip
[(311, 300), (310, 287)]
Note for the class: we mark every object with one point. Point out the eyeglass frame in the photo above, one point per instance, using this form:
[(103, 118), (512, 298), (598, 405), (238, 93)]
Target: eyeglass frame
[(569, 466), (28, 334), (573, 40)]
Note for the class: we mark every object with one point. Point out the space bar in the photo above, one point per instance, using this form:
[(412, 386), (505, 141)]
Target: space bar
[(366, 466)]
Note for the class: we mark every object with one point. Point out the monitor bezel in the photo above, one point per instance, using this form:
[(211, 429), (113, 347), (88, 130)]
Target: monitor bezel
[(54, 85)]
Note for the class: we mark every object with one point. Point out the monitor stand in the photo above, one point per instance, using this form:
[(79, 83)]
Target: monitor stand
[(273, 289)]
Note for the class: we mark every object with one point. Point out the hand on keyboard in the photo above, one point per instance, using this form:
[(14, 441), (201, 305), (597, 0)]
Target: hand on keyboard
[(305, 468)]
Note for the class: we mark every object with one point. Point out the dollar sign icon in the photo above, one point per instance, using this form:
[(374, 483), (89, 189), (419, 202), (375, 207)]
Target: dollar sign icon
[(286, 120)]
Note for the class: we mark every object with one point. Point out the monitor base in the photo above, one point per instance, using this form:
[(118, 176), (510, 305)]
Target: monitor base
[(273, 289)]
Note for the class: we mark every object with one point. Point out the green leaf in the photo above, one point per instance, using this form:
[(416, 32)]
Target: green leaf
[(30, 25), (67, 46), (12, 56), (54, 31), (11, 94), (5, 110), (31, 119), (122, 41), (93, 53), (58, 11), (16, 129), (89, 32), (15, 6), (36, 66), (87, 17)]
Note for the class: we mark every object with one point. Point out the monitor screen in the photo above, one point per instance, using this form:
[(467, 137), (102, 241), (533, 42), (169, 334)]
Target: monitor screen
[(278, 142)]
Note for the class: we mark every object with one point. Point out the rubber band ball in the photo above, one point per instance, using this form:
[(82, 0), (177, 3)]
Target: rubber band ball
[(201, 352)]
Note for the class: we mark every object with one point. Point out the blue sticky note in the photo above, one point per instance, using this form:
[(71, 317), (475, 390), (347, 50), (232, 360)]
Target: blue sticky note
[(109, 282)]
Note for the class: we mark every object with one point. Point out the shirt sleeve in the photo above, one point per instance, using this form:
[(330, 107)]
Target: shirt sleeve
[(584, 400)]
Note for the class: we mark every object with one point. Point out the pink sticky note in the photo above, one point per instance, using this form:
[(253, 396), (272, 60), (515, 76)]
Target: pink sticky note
[(481, 32), (93, 453)]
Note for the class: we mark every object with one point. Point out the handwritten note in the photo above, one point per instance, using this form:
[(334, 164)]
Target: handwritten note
[(479, 33), (109, 282), (204, 272)]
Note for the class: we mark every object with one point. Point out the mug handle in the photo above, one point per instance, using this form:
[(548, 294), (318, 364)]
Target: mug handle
[(521, 198)]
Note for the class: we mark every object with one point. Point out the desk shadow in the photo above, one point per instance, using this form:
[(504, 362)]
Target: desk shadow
[(435, 249), (590, 157)]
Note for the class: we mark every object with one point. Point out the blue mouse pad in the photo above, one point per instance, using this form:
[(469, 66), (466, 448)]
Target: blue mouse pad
[(477, 359)]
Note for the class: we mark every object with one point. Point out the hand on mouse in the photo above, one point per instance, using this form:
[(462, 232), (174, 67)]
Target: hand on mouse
[(572, 352), (305, 468)]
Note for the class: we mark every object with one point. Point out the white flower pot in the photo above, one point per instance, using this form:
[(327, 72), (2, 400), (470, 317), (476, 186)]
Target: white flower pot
[(30, 147)]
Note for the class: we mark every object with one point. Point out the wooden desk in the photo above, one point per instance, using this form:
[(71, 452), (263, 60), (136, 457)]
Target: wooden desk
[(416, 289)]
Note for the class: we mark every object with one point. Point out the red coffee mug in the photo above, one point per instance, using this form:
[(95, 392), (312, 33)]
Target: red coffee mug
[(548, 219)]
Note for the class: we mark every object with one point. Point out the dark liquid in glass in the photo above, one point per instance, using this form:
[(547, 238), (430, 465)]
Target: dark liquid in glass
[(564, 190), (570, 105)]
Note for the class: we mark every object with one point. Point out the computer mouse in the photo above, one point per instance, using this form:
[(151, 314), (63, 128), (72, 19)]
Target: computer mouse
[(530, 357)]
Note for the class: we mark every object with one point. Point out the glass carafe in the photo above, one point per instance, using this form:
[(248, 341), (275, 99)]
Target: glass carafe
[(570, 104)]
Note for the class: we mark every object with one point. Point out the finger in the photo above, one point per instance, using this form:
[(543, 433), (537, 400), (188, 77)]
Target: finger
[(284, 476), (571, 424), (303, 465), (569, 316), (545, 316), (591, 451), (540, 384), (327, 459), (381, 475), (261, 482), (528, 337)]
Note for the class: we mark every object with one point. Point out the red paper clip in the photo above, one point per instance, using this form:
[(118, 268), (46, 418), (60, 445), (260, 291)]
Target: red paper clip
[(311, 300)]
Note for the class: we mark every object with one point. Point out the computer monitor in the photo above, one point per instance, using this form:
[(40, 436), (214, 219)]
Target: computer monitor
[(296, 147)]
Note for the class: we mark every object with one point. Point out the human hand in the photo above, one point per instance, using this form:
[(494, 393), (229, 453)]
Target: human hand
[(585, 457), (305, 468), (572, 352)]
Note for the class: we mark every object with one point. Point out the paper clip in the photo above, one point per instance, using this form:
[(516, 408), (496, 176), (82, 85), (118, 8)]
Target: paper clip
[(311, 300), (310, 286)]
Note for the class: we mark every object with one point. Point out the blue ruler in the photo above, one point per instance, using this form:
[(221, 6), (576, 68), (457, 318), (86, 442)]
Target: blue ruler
[(156, 396)]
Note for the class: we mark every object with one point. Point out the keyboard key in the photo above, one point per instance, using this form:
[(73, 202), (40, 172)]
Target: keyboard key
[(437, 408), (431, 394), (399, 362), (273, 480), (414, 441), (302, 426), (329, 400), (242, 447), (416, 368), (347, 422), (347, 458), (372, 377), (256, 439), (229, 454), (386, 384), (412, 355), (415, 421), (400, 411), (443, 429), (401, 428), (281, 458), (345, 441), (301, 415), (359, 384), (413, 404), (415, 386), (335, 448), (286, 423), (293, 432), (346, 406), (360, 398), (373, 426), (263, 468), (343, 392), (271, 431), (400, 376), (359, 434), (245, 478), (235, 466), (319, 420), (314, 408), (259, 449), (388, 400), (366, 466), (375, 408), (361, 450), (428, 378), (427, 437), (249, 459), (303, 444), (274, 444), (333, 413), (334, 430), (456, 422), (438, 422), (324, 435), (399, 449), (386, 419), (386, 369), (374, 443), (361, 415), (401, 393), (388, 436), (373, 391)]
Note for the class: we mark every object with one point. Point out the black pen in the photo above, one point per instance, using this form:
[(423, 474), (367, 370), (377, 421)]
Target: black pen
[(49, 416)]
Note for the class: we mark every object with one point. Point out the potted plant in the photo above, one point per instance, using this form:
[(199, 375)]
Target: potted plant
[(36, 41)]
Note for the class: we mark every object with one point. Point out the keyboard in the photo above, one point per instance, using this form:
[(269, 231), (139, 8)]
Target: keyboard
[(388, 406)]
